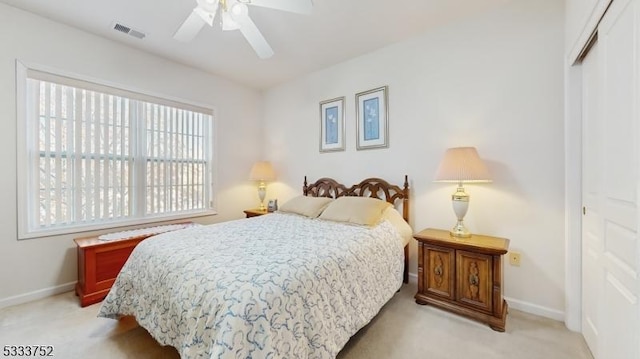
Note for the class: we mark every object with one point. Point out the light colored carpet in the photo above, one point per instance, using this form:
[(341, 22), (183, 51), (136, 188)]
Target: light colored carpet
[(401, 330)]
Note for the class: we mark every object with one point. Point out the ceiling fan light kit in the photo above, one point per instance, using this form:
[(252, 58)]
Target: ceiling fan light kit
[(234, 15), (239, 9), (206, 16), (228, 23)]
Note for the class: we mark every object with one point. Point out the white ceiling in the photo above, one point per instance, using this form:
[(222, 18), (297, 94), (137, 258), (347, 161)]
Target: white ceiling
[(336, 31)]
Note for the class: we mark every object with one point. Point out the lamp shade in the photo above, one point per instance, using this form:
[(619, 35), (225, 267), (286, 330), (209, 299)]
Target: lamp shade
[(262, 171), (461, 165)]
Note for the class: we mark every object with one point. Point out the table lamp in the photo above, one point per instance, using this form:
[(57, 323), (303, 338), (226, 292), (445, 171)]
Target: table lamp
[(262, 171), (461, 165)]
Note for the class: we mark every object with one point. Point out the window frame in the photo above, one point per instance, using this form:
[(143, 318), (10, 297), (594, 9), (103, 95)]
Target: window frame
[(23, 154)]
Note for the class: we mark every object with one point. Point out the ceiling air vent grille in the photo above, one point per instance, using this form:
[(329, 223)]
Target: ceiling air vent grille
[(129, 31), (122, 28), (137, 34)]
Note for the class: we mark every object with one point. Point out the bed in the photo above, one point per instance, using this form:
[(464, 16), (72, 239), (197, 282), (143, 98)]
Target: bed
[(275, 286)]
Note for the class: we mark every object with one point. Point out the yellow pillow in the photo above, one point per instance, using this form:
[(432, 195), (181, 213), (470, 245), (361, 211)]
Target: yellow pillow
[(358, 210), (306, 206), (396, 220)]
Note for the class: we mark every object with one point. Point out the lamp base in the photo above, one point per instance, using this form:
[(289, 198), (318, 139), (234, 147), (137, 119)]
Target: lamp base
[(262, 191), (460, 201), (460, 231)]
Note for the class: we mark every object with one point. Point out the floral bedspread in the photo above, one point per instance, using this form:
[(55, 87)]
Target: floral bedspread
[(275, 286)]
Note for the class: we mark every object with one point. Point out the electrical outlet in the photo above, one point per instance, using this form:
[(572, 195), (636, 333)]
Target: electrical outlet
[(514, 259)]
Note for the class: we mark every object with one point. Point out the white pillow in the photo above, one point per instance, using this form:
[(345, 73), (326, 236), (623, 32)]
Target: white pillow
[(358, 210), (306, 206)]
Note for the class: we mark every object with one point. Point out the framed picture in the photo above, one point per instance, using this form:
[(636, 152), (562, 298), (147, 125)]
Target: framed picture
[(372, 118), (332, 125)]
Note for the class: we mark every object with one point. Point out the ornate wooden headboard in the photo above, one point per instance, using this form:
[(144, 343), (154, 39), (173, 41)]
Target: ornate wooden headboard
[(370, 187)]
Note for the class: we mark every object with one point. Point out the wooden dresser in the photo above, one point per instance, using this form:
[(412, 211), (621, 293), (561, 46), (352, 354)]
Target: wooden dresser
[(462, 275), (99, 263)]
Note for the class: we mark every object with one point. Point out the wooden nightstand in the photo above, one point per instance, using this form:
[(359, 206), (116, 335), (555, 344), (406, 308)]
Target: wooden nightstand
[(462, 275), (255, 212)]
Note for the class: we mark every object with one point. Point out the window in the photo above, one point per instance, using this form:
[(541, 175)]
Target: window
[(94, 155)]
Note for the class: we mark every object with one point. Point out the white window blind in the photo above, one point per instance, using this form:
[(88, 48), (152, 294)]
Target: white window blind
[(176, 161), (97, 155)]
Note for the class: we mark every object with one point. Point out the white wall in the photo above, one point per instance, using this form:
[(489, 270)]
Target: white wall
[(37, 267), (494, 81)]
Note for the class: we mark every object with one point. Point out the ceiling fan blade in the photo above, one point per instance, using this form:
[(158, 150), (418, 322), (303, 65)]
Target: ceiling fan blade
[(297, 6), (190, 28), (250, 31)]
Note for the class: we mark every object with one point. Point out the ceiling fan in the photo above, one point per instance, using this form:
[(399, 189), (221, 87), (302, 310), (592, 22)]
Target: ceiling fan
[(234, 15)]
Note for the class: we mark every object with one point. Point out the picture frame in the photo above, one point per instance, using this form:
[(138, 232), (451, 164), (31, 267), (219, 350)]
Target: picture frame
[(372, 118), (332, 125)]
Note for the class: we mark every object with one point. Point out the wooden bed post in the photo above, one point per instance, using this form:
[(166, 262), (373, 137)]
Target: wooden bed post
[(405, 214), (405, 199)]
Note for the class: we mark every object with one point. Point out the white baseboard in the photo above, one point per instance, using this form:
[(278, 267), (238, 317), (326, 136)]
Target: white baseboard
[(413, 278), (67, 287), (519, 305), (535, 309), (35, 295)]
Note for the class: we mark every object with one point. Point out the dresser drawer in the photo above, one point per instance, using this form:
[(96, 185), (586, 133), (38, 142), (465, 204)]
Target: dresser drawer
[(474, 278)]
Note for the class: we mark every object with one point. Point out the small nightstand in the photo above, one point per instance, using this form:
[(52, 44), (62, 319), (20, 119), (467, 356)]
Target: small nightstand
[(462, 275), (255, 212)]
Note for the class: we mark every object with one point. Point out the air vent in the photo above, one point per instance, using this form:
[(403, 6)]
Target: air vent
[(129, 31), (122, 28), (137, 34)]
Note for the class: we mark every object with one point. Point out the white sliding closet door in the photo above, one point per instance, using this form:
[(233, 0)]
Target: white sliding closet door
[(592, 237), (611, 163)]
